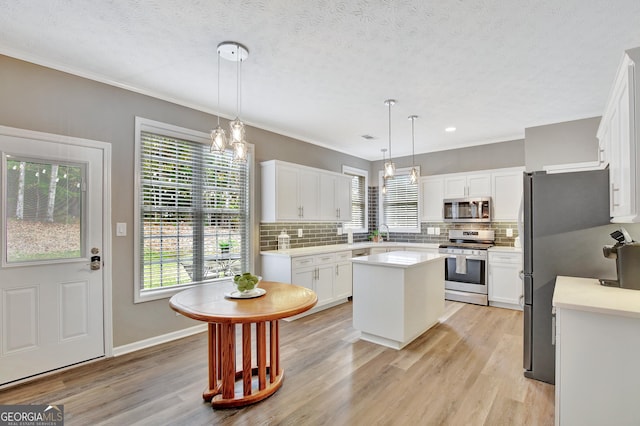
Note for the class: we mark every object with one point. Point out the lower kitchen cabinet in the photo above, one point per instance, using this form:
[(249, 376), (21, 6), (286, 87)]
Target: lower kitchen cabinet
[(328, 275), (505, 285), (343, 280), (597, 345)]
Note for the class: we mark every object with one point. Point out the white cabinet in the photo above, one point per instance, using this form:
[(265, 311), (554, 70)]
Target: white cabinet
[(507, 194), (342, 286), (467, 185), (329, 275), (619, 140), (597, 345), (505, 285), (432, 188), (291, 192), (335, 196)]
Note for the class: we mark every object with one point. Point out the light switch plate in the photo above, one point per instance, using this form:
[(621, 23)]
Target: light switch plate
[(299, 232), (121, 229), (438, 231), (509, 232)]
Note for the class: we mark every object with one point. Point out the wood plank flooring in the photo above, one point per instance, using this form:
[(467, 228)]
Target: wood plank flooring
[(467, 370)]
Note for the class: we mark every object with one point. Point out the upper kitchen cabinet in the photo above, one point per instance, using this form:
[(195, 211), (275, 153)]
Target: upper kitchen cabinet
[(618, 137), (506, 194), (432, 188), (467, 185), (335, 196), (293, 193)]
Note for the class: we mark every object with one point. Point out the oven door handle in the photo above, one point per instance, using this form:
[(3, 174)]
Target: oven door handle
[(453, 256)]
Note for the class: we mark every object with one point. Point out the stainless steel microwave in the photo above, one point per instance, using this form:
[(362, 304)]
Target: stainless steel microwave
[(467, 209)]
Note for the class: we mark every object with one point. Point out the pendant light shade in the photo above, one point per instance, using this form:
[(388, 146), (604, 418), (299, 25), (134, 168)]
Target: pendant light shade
[(218, 136), (414, 176), (384, 177), (389, 166), (236, 52)]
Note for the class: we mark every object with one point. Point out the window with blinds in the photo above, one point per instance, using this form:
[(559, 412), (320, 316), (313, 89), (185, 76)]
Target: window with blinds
[(193, 213), (359, 204), (400, 206)]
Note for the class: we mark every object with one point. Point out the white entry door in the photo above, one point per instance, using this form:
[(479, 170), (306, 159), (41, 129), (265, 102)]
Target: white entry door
[(51, 298)]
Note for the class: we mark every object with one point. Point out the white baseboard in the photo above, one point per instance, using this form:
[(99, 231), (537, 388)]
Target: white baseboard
[(164, 338)]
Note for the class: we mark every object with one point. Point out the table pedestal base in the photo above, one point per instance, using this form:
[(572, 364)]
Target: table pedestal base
[(229, 387)]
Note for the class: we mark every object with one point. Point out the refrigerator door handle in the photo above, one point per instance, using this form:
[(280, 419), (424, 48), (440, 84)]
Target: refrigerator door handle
[(527, 364), (528, 289)]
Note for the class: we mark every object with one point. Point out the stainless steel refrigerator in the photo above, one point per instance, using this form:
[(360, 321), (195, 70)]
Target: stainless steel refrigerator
[(563, 234)]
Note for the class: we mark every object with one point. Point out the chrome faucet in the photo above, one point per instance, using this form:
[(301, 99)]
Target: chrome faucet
[(384, 225)]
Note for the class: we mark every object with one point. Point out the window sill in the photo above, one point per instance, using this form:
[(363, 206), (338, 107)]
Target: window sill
[(166, 293)]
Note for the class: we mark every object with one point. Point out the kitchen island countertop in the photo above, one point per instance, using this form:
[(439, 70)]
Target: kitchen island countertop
[(397, 259)]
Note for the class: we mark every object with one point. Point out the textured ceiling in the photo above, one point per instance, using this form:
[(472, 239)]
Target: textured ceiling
[(321, 70)]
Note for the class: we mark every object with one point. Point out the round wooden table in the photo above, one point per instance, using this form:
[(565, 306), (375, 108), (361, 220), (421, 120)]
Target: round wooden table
[(208, 303)]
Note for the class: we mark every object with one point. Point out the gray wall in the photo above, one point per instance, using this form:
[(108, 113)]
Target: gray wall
[(37, 98), (561, 143), (482, 157)]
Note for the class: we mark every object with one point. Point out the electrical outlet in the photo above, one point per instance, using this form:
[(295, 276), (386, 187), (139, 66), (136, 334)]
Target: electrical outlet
[(438, 230), (339, 230), (430, 230), (509, 232), (299, 232)]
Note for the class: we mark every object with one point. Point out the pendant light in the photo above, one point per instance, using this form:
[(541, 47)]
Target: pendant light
[(414, 176), (389, 167), (236, 52), (384, 178), (218, 135)]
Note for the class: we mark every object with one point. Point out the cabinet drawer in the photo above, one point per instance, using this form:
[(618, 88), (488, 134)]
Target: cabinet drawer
[(301, 262), (321, 259), (343, 255), (505, 258)]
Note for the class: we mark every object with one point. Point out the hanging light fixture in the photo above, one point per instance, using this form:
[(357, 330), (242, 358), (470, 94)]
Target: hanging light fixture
[(415, 174), (389, 167), (218, 135), (384, 178), (236, 52)]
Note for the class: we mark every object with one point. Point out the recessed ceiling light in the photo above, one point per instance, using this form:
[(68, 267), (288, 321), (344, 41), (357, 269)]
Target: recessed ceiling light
[(450, 129)]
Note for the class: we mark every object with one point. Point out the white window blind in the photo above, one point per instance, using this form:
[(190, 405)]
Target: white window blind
[(194, 213), (400, 205), (359, 202)]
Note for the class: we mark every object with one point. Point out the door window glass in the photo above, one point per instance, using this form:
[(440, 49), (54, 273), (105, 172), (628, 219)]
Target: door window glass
[(43, 210)]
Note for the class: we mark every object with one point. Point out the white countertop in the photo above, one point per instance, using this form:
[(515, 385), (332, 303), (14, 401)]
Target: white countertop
[(398, 259), (304, 251), (586, 294), (506, 249)]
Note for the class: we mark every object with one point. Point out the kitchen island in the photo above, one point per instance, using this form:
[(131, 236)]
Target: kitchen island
[(397, 296)]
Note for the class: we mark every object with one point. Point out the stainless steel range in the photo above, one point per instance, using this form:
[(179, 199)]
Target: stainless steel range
[(465, 268)]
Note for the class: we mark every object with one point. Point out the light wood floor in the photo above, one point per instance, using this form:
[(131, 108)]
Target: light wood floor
[(465, 371)]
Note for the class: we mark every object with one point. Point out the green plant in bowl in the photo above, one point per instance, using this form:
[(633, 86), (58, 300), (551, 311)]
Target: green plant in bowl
[(246, 282)]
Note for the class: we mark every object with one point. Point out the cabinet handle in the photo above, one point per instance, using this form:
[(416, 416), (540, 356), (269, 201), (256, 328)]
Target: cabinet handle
[(337, 271), (601, 156), (302, 209)]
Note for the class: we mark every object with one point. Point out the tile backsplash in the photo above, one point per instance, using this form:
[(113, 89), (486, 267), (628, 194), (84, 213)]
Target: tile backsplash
[(325, 233)]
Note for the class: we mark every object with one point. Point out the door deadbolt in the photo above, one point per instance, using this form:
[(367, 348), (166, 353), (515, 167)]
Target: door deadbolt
[(95, 259)]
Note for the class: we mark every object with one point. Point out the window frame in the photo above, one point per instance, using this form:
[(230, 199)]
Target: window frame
[(172, 131), (353, 171), (405, 171)]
